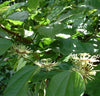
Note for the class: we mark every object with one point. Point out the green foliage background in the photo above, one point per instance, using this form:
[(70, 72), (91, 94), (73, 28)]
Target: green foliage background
[(40, 29)]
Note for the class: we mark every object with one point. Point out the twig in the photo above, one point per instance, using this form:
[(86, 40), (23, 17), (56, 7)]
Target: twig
[(18, 37)]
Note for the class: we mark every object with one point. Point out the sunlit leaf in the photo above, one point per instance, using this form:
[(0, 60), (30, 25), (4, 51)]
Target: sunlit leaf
[(21, 63), (5, 3), (67, 83), (14, 7), (33, 3)]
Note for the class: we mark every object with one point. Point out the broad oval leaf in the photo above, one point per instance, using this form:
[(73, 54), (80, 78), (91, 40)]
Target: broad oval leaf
[(19, 16), (4, 45), (69, 45), (51, 31), (18, 83), (67, 83)]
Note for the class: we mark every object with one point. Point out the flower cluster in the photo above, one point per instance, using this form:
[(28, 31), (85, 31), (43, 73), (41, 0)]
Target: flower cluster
[(21, 50), (46, 63), (83, 63)]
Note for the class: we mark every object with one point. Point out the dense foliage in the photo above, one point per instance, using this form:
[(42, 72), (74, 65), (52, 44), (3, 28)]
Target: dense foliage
[(49, 47)]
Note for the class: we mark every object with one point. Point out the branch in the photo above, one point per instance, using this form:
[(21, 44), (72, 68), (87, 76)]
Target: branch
[(18, 37)]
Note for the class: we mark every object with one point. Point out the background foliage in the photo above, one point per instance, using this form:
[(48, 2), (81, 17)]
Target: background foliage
[(45, 33)]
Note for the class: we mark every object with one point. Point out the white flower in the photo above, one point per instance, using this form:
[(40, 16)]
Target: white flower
[(83, 63), (92, 73)]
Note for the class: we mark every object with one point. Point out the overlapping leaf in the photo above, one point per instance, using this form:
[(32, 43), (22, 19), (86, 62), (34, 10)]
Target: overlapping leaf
[(4, 45), (69, 45), (51, 31), (19, 16), (14, 7), (67, 83), (18, 83), (94, 3)]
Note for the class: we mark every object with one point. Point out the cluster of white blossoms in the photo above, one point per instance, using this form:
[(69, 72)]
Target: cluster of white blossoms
[(46, 63), (83, 63), (21, 50)]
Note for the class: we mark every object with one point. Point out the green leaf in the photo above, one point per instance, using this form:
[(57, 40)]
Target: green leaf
[(66, 46), (46, 31), (18, 83), (69, 45), (3, 33), (5, 3), (33, 4), (19, 16), (47, 41), (56, 11), (67, 83), (94, 3), (3, 9), (14, 22), (51, 31), (4, 45), (63, 17), (44, 75), (14, 7), (21, 63), (84, 47), (93, 86)]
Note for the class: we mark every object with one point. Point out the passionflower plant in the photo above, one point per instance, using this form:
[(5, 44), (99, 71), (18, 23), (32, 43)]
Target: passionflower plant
[(83, 63)]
